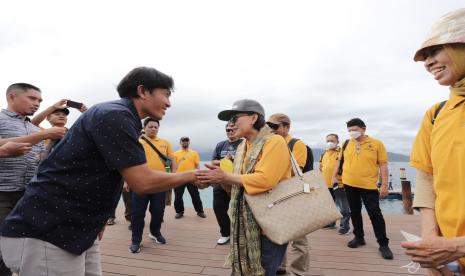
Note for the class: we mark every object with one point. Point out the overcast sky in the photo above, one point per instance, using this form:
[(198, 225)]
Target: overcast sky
[(320, 62)]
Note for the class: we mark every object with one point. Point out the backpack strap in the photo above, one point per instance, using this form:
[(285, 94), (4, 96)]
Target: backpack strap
[(341, 162), (321, 156), (436, 112), (292, 143)]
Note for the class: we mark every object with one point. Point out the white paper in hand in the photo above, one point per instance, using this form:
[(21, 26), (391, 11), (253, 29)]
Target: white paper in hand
[(412, 267), (410, 237)]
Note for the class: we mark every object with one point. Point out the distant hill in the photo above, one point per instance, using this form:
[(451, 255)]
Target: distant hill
[(393, 157)]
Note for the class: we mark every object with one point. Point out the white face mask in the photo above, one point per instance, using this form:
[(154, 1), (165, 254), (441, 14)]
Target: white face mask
[(330, 145), (354, 134)]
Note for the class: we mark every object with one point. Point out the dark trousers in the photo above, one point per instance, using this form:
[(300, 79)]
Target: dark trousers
[(370, 199), (220, 206), (272, 255), (139, 208), (339, 197), (127, 198), (8, 201), (193, 191)]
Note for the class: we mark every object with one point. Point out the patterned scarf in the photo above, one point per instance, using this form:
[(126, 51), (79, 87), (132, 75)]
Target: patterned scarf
[(245, 259)]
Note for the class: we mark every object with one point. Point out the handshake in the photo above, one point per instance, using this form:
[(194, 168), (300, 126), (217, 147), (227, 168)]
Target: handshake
[(213, 175)]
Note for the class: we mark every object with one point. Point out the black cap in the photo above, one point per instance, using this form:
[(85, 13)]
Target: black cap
[(241, 106), (64, 110)]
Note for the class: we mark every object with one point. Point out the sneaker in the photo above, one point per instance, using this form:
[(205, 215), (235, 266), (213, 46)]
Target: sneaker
[(356, 243), (158, 238), (344, 231), (178, 215), (281, 271), (223, 240), (201, 214), (135, 248), (329, 227), (111, 221), (386, 252)]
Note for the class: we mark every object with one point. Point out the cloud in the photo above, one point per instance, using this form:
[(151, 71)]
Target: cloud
[(320, 62)]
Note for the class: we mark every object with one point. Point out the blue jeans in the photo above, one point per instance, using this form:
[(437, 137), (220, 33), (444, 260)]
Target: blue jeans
[(340, 198), (139, 207), (272, 255)]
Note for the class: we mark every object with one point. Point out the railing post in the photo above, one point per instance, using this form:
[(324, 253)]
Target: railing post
[(406, 192)]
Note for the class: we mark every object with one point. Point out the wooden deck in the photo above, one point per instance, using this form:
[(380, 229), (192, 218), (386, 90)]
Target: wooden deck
[(191, 249)]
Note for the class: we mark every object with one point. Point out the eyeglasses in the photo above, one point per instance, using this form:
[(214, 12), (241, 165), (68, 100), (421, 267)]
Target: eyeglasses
[(229, 130), (237, 116), (273, 126)]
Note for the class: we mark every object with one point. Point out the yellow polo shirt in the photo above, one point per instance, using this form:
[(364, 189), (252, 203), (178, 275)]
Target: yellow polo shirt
[(154, 161), (361, 170), (439, 149), (273, 165), (186, 160), (327, 164), (299, 151)]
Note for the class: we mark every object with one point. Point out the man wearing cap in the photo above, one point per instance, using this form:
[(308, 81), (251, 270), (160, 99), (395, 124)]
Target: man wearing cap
[(224, 150), (280, 124), (187, 160)]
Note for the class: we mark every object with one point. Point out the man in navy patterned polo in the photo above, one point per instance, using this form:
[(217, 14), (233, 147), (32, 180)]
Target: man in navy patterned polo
[(54, 228)]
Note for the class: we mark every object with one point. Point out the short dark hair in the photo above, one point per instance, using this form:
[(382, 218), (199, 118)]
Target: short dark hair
[(260, 122), (148, 77), (356, 122), (150, 119), (21, 86), (333, 134)]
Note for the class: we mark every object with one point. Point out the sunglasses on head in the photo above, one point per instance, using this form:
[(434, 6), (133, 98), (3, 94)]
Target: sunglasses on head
[(237, 116), (273, 126)]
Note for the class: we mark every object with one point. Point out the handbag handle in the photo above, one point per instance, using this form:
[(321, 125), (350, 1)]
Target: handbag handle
[(295, 167)]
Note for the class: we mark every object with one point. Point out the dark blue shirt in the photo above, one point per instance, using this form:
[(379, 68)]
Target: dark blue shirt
[(78, 185), (225, 148)]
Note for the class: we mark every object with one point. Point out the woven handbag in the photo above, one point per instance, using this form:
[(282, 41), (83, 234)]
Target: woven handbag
[(295, 207)]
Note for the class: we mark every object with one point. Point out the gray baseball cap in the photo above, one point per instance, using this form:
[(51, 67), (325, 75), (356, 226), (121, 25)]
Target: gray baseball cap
[(242, 106)]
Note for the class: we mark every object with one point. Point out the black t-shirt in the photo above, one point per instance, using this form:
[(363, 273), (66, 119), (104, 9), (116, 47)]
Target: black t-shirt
[(77, 187), (225, 148)]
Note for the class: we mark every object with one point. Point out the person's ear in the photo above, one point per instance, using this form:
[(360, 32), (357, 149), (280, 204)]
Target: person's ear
[(141, 91)]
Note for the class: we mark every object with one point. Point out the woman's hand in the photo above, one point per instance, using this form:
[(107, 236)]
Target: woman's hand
[(433, 252), (213, 175)]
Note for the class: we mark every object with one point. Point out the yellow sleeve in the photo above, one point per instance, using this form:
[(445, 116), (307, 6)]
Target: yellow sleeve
[(300, 153), (273, 166), (169, 150), (420, 157), (382, 154), (197, 159)]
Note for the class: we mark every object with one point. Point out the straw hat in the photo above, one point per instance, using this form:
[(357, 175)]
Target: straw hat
[(448, 29)]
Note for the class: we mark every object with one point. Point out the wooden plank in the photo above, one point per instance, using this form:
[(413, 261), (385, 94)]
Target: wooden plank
[(191, 249)]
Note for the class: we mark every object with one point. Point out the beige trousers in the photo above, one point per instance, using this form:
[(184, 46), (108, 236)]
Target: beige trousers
[(299, 266), (33, 257)]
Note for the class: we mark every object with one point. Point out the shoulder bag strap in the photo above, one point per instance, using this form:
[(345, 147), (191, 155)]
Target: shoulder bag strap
[(163, 157)]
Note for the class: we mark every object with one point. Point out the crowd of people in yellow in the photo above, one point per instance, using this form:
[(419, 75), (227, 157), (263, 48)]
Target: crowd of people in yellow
[(59, 187)]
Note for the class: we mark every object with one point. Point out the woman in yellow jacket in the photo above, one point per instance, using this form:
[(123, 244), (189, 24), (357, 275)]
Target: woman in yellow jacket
[(439, 151), (262, 161)]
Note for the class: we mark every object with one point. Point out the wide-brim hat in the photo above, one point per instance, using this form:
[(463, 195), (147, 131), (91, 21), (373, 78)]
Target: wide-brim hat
[(242, 106), (449, 29)]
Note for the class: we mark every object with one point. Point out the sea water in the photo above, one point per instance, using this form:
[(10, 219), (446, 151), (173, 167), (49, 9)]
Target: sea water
[(387, 206)]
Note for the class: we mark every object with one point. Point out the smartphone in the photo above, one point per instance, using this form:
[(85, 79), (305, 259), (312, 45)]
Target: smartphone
[(73, 104)]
